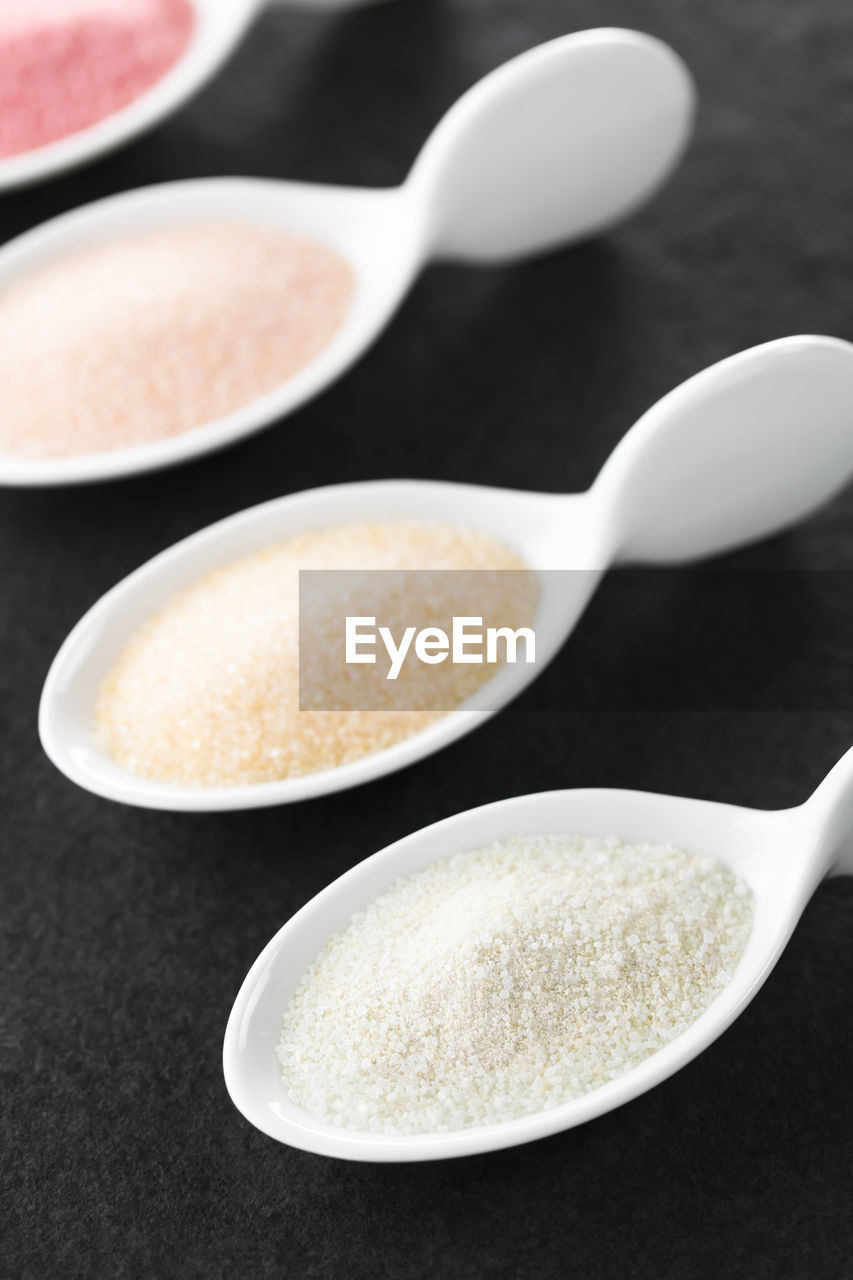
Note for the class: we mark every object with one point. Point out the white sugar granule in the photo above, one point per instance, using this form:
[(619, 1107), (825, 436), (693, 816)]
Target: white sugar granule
[(156, 334), (206, 692), (509, 980)]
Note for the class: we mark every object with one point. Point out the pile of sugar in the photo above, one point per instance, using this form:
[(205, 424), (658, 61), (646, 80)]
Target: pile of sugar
[(508, 980), (67, 64), (207, 691), (154, 335)]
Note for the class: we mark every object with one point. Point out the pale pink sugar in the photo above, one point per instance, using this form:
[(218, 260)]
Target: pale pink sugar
[(17, 16), (147, 337), (67, 64)]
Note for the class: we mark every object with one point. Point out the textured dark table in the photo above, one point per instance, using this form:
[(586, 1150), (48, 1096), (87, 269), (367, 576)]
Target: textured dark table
[(126, 934)]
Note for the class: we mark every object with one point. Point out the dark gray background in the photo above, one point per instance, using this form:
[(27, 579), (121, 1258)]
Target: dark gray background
[(126, 934)]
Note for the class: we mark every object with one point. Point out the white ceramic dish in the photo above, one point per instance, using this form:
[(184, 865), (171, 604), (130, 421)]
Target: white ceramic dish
[(555, 145), (743, 449), (219, 27), (781, 855)]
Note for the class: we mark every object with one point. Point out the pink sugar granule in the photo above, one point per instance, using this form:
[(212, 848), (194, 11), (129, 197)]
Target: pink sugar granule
[(66, 64), (148, 336)]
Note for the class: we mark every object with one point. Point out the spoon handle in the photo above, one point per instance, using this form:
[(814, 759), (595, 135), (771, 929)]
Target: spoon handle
[(744, 449), (829, 812), (553, 145)]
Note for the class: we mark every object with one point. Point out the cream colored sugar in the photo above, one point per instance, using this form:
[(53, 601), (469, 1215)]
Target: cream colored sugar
[(207, 691), (509, 980), (154, 335)]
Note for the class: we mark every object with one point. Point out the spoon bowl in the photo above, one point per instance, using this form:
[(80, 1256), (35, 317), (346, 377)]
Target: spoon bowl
[(739, 451), (780, 855), (68, 700), (363, 226), (555, 145), (219, 27)]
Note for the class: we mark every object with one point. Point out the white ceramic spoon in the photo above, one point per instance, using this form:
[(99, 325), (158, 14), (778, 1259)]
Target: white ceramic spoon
[(781, 855), (554, 145), (736, 453), (219, 27)]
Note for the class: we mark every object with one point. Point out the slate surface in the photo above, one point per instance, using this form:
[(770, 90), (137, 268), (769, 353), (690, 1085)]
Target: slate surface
[(126, 934)]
